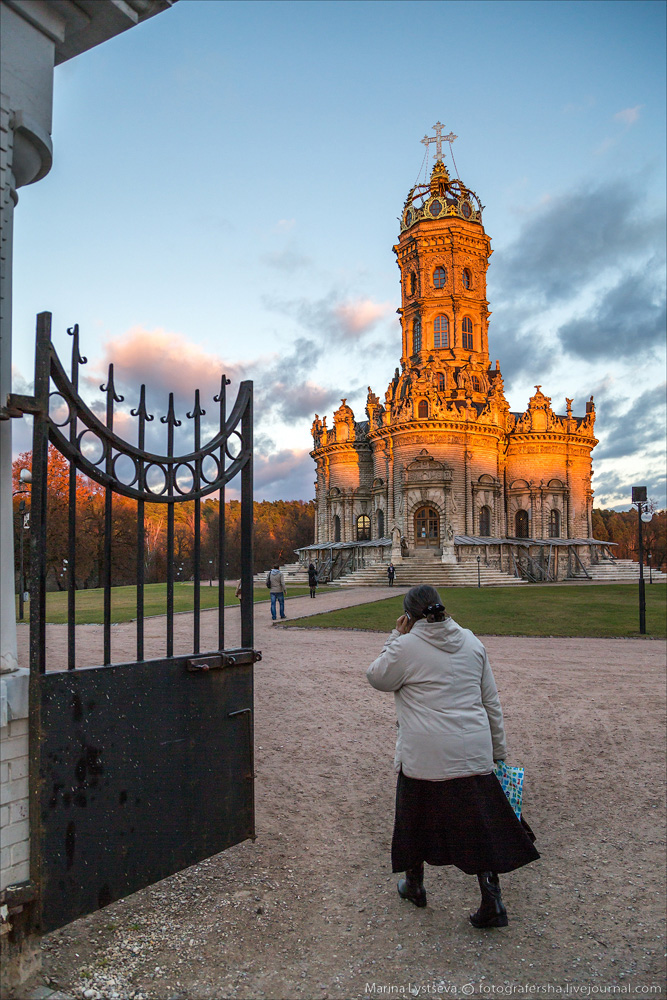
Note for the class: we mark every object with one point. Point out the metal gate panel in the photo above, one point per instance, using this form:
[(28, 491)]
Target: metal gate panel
[(137, 770), (131, 755)]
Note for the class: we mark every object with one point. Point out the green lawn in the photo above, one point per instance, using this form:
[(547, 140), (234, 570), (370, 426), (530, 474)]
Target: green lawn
[(596, 611), (90, 610)]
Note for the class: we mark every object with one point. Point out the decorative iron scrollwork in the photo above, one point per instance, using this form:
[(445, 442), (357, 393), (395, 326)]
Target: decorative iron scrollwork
[(97, 450)]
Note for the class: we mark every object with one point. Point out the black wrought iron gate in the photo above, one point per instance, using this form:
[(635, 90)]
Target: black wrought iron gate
[(138, 769)]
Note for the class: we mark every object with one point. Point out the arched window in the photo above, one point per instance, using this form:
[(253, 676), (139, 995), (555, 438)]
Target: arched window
[(475, 383), (485, 522), (413, 283), (467, 278), (521, 524), (422, 410), (336, 527), (380, 523), (417, 335), (441, 382), (439, 277), (441, 331), (363, 528), (466, 326), (554, 524)]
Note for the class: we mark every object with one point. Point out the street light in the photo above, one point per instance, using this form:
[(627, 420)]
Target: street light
[(25, 479), (639, 499)]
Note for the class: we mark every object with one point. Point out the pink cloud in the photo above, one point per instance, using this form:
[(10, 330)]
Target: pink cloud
[(166, 361), (361, 314)]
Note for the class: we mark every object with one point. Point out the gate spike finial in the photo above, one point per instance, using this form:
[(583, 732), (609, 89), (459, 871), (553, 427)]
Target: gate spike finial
[(77, 357), (141, 410), (197, 411), (110, 388), (224, 381), (170, 418)]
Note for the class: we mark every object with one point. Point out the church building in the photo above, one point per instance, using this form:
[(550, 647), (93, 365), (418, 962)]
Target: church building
[(441, 471)]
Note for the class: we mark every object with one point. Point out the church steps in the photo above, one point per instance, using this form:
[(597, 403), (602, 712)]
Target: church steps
[(622, 571), (434, 573)]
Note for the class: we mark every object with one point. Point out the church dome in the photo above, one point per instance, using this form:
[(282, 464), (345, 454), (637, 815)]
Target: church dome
[(441, 197)]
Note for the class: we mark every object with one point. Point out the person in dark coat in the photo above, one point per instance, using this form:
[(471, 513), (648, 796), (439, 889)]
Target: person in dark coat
[(312, 579), (391, 573), (450, 807)]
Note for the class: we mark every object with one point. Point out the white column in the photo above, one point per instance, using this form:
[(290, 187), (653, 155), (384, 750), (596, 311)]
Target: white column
[(8, 657)]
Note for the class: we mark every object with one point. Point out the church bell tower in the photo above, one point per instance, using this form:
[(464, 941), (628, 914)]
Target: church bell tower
[(443, 255)]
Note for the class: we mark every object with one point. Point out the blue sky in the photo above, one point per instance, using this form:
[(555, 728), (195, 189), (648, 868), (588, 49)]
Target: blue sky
[(226, 184)]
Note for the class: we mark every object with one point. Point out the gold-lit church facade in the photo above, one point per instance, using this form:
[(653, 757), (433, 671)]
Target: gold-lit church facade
[(441, 469)]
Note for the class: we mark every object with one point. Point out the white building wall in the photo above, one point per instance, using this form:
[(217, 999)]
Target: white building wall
[(14, 836)]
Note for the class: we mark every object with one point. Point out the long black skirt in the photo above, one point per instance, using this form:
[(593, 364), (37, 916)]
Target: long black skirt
[(466, 822)]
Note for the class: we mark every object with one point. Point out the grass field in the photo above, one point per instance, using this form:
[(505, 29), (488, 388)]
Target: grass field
[(605, 611), (90, 610)]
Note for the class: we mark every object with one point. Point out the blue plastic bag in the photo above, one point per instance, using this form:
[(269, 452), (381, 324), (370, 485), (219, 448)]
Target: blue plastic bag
[(510, 777)]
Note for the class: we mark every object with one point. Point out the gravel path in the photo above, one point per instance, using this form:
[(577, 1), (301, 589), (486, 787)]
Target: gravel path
[(311, 910)]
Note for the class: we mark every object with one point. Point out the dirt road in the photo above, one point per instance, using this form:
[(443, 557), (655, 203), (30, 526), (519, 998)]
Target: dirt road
[(311, 910)]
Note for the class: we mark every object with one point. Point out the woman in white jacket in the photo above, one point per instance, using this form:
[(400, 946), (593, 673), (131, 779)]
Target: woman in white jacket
[(450, 807)]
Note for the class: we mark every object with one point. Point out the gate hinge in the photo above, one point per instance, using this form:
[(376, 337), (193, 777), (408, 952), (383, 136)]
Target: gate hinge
[(18, 405), (228, 658), (17, 894)]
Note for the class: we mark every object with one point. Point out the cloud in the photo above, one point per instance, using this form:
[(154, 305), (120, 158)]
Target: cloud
[(288, 260), (629, 115), (284, 475), (613, 487), (166, 362), (627, 321), (583, 279), (333, 315), (636, 428), (361, 315), (20, 384), (578, 236), (284, 388)]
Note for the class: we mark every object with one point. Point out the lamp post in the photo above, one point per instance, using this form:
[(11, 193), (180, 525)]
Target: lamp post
[(639, 499), (25, 478)]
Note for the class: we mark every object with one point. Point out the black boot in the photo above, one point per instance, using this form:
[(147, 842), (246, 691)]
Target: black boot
[(492, 912), (412, 886)]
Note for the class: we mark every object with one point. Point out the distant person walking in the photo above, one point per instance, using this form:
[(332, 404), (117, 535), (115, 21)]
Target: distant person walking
[(450, 807), (275, 581), (237, 592), (391, 573), (312, 579)]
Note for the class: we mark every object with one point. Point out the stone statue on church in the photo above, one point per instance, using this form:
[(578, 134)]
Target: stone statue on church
[(316, 431)]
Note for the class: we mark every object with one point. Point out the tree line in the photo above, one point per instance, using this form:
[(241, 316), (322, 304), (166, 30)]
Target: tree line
[(280, 526), (621, 527)]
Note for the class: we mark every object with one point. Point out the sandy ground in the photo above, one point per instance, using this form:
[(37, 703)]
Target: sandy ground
[(311, 910)]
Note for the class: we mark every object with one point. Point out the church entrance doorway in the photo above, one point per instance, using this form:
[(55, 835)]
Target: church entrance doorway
[(427, 528)]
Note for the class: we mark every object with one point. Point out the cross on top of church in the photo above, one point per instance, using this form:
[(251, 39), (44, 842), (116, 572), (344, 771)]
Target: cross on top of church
[(438, 139)]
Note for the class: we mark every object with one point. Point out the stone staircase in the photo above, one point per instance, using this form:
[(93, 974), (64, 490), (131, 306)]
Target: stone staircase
[(418, 569), (621, 571), (291, 572)]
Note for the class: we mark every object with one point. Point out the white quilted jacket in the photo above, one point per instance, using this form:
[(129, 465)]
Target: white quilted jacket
[(450, 723)]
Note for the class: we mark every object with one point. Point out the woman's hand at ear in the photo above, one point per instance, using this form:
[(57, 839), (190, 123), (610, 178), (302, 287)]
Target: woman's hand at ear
[(404, 624)]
